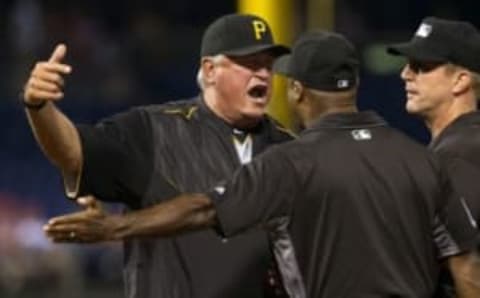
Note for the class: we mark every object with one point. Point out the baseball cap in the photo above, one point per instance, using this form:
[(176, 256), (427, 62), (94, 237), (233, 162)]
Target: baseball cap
[(321, 60), (239, 35), (442, 41)]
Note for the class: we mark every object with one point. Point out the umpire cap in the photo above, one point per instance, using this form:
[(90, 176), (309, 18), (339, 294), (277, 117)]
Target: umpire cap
[(321, 60), (443, 41), (239, 35)]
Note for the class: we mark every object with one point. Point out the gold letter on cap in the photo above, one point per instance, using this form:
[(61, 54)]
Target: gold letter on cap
[(259, 27)]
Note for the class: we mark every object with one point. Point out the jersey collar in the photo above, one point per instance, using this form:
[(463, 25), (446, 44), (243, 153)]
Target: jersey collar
[(348, 121)]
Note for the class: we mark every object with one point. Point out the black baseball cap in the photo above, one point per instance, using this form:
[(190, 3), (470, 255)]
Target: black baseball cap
[(321, 60), (239, 35), (443, 41)]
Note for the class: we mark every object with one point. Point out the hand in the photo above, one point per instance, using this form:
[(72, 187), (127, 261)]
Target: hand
[(91, 225), (47, 78)]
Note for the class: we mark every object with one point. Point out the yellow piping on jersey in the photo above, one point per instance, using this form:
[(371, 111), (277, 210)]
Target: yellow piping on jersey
[(187, 113), (172, 183)]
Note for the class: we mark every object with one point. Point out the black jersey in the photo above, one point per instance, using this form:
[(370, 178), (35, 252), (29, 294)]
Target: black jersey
[(149, 154), (458, 147), (356, 209)]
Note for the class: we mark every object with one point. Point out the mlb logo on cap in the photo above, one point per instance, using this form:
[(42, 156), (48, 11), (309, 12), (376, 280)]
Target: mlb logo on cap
[(424, 30), (341, 84), (321, 60)]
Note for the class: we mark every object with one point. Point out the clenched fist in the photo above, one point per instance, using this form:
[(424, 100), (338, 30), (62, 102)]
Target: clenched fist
[(47, 78)]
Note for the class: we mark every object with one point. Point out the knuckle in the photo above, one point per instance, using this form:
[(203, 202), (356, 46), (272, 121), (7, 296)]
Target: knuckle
[(57, 78)]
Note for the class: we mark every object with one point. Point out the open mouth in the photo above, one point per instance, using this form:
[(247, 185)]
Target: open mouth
[(258, 91)]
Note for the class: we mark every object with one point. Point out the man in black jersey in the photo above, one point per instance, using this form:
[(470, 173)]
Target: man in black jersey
[(354, 208), (442, 84), (148, 154)]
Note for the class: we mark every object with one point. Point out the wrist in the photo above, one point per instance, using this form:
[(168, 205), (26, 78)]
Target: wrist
[(119, 228), (34, 106)]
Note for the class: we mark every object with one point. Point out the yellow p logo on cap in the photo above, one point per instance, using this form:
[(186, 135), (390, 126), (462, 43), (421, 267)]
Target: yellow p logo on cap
[(260, 28)]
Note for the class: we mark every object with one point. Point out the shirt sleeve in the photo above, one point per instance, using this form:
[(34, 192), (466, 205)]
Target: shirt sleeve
[(455, 228), (464, 179), (257, 193), (117, 158)]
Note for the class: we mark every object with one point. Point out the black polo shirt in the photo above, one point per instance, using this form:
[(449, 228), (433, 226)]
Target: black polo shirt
[(355, 209), (148, 155), (458, 147)]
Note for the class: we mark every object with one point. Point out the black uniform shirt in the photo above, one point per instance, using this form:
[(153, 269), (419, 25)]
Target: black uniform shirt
[(149, 154), (361, 203), (458, 147)]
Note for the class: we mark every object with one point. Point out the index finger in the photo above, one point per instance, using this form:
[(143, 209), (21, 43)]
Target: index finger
[(69, 218)]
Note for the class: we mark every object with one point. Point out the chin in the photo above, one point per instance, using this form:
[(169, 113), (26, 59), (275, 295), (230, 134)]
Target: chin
[(253, 117), (411, 108)]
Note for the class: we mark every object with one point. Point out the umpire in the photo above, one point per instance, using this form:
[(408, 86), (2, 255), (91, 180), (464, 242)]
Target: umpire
[(352, 205), (442, 84), (146, 155)]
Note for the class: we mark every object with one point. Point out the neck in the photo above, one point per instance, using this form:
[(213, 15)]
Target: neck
[(323, 111), (444, 116)]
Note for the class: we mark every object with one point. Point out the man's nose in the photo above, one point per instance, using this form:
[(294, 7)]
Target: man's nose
[(406, 73)]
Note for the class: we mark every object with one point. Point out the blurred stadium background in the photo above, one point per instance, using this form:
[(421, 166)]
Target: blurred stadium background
[(126, 53)]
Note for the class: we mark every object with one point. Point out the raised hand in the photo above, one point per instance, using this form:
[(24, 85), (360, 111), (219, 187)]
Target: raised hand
[(47, 78)]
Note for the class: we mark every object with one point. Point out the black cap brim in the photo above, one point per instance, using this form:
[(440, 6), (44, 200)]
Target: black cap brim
[(276, 50), (415, 51), (282, 65)]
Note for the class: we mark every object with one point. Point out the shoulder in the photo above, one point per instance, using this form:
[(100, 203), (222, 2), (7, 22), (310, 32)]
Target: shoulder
[(462, 143), (184, 109)]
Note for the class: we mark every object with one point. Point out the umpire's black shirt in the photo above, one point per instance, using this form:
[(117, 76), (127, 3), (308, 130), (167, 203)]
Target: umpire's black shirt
[(151, 153), (361, 207), (458, 148)]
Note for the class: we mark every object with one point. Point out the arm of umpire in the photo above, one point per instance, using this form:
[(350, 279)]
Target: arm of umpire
[(183, 213), (465, 270), (54, 132)]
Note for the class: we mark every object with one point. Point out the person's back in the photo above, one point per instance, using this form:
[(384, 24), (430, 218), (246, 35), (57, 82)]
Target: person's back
[(362, 227)]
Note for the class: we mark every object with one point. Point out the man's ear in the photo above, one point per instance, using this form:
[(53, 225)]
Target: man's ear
[(296, 91), (208, 69), (463, 80)]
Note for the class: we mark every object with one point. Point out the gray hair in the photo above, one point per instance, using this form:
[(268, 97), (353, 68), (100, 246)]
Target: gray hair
[(475, 78), (200, 76)]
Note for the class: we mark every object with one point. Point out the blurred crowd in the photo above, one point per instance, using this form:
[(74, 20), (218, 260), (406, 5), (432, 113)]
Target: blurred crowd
[(31, 266)]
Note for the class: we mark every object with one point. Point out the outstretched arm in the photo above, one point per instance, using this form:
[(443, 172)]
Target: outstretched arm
[(183, 213), (54, 132)]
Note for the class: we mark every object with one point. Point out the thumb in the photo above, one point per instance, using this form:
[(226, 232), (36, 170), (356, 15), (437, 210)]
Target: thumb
[(59, 53), (88, 202)]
